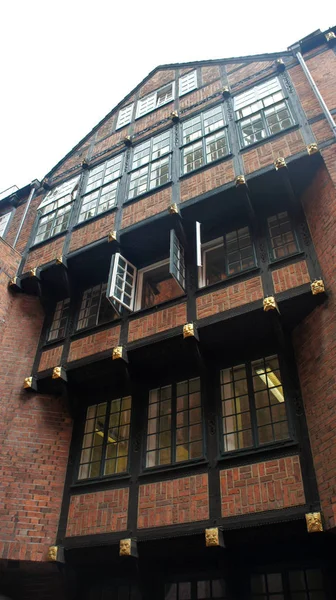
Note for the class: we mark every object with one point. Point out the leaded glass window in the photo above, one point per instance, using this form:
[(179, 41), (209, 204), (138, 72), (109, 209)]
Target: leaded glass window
[(101, 188), (95, 307), (59, 323), (283, 240), (204, 138), (150, 164)]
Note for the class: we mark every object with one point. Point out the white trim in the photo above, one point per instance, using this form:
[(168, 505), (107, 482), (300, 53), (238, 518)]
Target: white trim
[(4, 220), (198, 244), (184, 81), (125, 116), (212, 245), (152, 100), (129, 306)]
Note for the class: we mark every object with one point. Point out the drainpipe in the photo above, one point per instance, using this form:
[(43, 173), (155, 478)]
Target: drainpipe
[(317, 93), (34, 185)]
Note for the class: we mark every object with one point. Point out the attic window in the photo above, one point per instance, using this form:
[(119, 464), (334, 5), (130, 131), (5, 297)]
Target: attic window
[(187, 83), (155, 99), (54, 211), (125, 116)]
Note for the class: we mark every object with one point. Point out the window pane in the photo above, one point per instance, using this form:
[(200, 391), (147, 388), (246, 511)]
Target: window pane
[(3, 222), (187, 82), (58, 326), (216, 146), (213, 119), (253, 129), (139, 182), (193, 157), (95, 308), (188, 436), (159, 427), (192, 129), (125, 116), (158, 286), (239, 251), (237, 430), (282, 237)]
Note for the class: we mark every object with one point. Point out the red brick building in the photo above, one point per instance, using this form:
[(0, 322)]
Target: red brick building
[(168, 339)]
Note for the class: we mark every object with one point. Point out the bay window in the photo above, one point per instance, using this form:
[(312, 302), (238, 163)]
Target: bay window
[(54, 211), (150, 164), (100, 193)]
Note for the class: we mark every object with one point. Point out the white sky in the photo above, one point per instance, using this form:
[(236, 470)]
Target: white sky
[(65, 65)]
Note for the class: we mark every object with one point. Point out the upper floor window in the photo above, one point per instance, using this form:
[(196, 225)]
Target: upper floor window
[(150, 164), (225, 256), (95, 307), (282, 236), (125, 116), (4, 219), (155, 99), (174, 428), (187, 82), (262, 111), (204, 138), (58, 326), (54, 211), (106, 437), (253, 404), (101, 188)]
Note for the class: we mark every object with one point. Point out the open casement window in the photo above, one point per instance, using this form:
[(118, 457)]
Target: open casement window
[(135, 289), (54, 211), (155, 99), (125, 116), (4, 219)]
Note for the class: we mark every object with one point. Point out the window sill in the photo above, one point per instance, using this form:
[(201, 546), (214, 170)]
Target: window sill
[(151, 309), (231, 279), (269, 138), (94, 328), (207, 166), (95, 218), (137, 118), (99, 480), (290, 258), (236, 455), (51, 239), (176, 468), (53, 343), (148, 193)]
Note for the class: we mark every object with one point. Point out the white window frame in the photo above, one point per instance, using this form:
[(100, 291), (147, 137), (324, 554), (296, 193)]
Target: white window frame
[(57, 203), (125, 116), (99, 186), (112, 283), (211, 245), (148, 165), (152, 100), (192, 86), (4, 221)]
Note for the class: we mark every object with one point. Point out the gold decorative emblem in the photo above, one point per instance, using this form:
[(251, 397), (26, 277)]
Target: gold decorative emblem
[(59, 260), (173, 209), (127, 140), (56, 374), (12, 281), (240, 180), (188, 330), (125, 547), (226, 91), (314, 522), (112, 236), (269, 303), (117, 352), (317, 287), (312, 149), (280, 163), (174, 115), (212, 537), (280, 65), (52, 553), (32, 272), (330, 36), (28, 382)]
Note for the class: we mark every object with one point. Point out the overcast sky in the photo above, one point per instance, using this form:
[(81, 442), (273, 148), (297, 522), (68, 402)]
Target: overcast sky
[(65, 65)]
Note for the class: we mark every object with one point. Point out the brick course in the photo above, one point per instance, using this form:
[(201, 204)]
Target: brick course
[(187, 101), (210, 74), (147, 207), (44, 254), (286, 145), (99, 512), (50, 358), (92, 344), (290, 276), (92, 232), (159, 79), (249, 70), (206, 180), (269, 485), (156, 322), (173, 502), (229, 297)]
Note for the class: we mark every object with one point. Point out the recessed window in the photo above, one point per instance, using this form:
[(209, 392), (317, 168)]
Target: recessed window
[(262, 111), (283, 240), (4, 220), (253, 404), (226, 256), (101, 188), (204, 138), (60, 319), (156, 285), (125, 116), (95, 307), (155, 99), (54, 211), (196, 590), (174, 429), (150, 164), (106, 437), (187, 83), (303, 584)]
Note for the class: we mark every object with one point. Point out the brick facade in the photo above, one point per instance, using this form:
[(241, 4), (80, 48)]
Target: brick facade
[(92, 344), (252, 70), (229, 297), (264, 155), (210, 74), (44, 254), (50, 358), (157, 322), (269, 485), (173, 502), (99, 512), (92, 232), (207, 180), (290, 276), (147, 207)]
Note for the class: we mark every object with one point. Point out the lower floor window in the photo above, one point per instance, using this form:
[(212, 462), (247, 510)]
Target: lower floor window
[(196, 590), (301, 585)]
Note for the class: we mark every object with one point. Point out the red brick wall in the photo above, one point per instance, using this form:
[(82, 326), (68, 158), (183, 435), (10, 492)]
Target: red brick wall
[(9, 262), (152, 118), (99, 512), (323, 70), (148, 207), (28, 224), (156, 322), (322, 131), (50, 358), (92, 232), (210, 74), (92, 344), (174, 502), (75, 160), (249, 70), (290, 276), (110, 142), (189, 100), (286, 145), (314, 340), (159, 79), (269, 485), (229, 297), (206, 180), (44, 254)]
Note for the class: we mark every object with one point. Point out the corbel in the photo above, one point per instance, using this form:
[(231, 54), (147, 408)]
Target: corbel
[(175, 214), (14, 200), (226, 92), (59, 373), (173, 209), (34, 272), (175, 117), (15, 284), (242, 188), (30, 384), (119, 353), (46, 184), (314, 522), (128, 547), (56, 554), (280, 65), (61, 261), (317, 287), (280, 163), (330, 37), (270, 304), (127, 140), (214, 538), (312, 149), (85, 164), (113, 237), (190, 331)]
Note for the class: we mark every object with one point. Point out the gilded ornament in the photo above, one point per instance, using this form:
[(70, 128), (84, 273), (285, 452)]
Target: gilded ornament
[(32, 272), (314, 522), (280, 163), (312, 149), (125, 547), (59, 260), (226, 92), (112, 236), (269, 303), (212, 537), (330, 36), (240, 180), (173, 209), (117, 352), (127, 140), (280, 64), (188, 330), (28, 382), (56, 374), (174, 115), (13, 281), (52, 553), (317, 287)]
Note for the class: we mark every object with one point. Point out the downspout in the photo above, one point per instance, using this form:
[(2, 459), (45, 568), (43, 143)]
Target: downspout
[(317, 93), (34, 185)]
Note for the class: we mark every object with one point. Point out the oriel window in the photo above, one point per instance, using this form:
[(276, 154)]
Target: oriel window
[(101, 188), (150, 164), (60, 319), (54, 211), (282, 236), (95, 308)]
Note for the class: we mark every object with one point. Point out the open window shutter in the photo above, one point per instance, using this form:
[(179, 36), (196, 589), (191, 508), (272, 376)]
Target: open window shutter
[(176, 260), (198, 245), (121, 283)]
